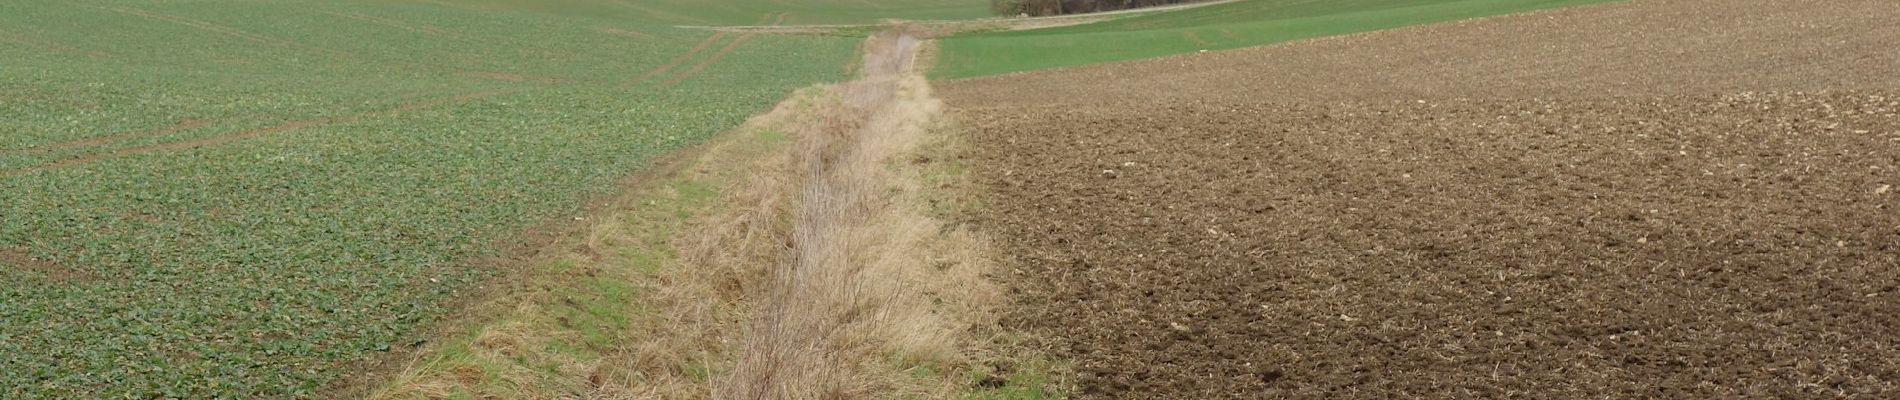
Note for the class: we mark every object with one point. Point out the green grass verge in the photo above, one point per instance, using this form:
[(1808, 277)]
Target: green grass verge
[(583, 309), (1217, 27)]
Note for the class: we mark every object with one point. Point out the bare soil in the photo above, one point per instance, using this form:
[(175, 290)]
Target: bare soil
[(1658, 199), (15, 257)]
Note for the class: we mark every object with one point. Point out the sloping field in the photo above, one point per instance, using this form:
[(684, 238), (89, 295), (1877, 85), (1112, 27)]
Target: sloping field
[(241, 198), (1659, 199), (1230, 25)]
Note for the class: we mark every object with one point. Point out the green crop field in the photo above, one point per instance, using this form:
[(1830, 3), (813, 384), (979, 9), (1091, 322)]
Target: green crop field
[(738, 12), (1223, 26), (238, 198)]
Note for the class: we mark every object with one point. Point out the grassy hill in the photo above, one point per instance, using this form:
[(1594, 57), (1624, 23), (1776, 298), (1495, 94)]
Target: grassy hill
[(1238, 24), (234, 198)]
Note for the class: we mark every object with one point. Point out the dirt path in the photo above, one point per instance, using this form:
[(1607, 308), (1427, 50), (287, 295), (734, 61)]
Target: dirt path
[(868, 275), (1588, 203)]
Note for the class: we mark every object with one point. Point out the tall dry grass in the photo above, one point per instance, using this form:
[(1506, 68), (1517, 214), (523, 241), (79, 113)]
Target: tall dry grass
[(871, 284)]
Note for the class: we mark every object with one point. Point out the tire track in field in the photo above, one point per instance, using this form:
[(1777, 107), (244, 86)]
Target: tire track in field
[(627, 33), (702, 65), (675, 63), (249, 134), (221, 29), (720, 55), (49, 46), (1229, 34), (181, 125), (422, 29), (1195, 37)]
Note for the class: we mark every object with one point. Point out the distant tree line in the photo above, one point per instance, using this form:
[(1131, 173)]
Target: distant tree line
[(1038, 8)]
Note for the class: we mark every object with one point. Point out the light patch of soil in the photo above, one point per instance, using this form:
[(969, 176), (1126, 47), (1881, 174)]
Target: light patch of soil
[(1657, 199), (20, 258)]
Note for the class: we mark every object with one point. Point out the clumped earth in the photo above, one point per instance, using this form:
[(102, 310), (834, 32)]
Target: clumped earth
[(1713, 236)]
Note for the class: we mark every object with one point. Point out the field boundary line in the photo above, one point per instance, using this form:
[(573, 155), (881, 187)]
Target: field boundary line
[(181, 125), (675, 63), (248, 134)]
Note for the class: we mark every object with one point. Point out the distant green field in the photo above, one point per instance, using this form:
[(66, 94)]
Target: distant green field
[(737, 12), (1223, 26), (236, 198)]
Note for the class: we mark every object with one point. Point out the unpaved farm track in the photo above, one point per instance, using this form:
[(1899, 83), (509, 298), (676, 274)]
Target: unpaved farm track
[(1661, 199)]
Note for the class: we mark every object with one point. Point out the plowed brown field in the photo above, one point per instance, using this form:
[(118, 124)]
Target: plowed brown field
[(1675, 199)]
